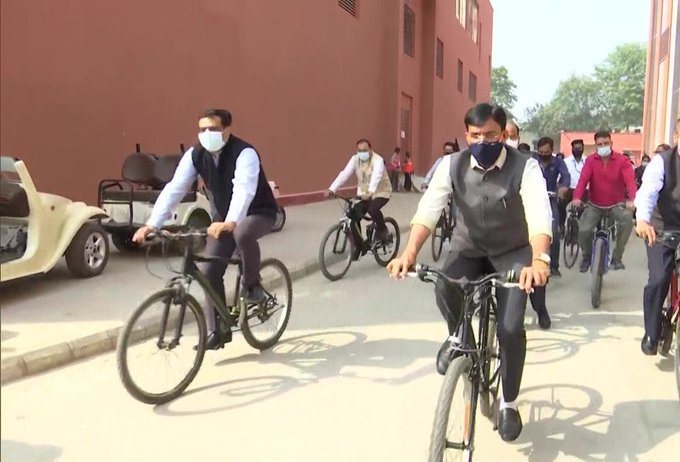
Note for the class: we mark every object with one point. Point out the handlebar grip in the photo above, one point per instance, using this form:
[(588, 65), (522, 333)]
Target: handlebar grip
[(513, 275)]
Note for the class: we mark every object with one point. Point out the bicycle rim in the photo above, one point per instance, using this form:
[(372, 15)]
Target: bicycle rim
[(597, 273), (335, 253), (263, 324), (488, 398), (155, 354), (386, 251), (453, 417)]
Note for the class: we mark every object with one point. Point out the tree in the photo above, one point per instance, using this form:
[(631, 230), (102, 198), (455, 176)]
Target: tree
[(578, 105), (622, 84), (502, 88)]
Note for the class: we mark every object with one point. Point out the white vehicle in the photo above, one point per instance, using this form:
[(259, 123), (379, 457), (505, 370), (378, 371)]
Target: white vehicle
[(37, 229), (130, 200)]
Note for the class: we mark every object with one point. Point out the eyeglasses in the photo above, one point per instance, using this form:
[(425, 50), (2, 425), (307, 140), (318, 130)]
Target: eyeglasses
[(487, 136)]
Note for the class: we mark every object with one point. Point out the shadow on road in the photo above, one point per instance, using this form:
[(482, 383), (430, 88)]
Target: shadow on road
[(19, 451), (561, 416)]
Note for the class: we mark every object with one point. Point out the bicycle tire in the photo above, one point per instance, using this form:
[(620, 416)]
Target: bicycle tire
[(570, 245), (245, 316), (459, 369), (335, 230), (437, 239), (597, 272), (395, 237), (488, 399), (129, 383)]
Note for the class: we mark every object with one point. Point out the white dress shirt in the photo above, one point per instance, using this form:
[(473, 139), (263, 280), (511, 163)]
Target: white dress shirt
[(574, 168), (537, 209), (246, 176), (350, 169), (648, 194), (430, 174)]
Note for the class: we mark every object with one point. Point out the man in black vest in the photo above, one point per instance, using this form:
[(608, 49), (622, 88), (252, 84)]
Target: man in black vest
[(242, 203), (658, 208), (503, 218)]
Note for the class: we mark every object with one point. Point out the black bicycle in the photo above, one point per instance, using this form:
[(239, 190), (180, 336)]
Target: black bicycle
[(473, 376), (571, 245), (444, 229), (161, 347), (344, 242), (605, 234)]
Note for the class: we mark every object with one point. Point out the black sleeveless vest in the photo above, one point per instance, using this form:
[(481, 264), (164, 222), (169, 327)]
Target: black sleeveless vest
[(666, 214)]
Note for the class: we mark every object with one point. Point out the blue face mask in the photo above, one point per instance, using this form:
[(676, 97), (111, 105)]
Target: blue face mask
[(486, 153), (604, 151)]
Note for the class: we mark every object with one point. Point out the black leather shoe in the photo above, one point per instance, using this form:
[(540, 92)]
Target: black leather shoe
[(617, 265), (544, 319), (445, 356), (215, 341), (509, 424), (555, 272), (648, 346), (585, 265), (255, 294)]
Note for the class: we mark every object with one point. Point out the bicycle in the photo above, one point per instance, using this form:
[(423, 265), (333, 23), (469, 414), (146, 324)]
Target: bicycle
[(476, 365), (349, 245), (444, 229), (160, 335), (605, 234), (571, 246), (671, 308)]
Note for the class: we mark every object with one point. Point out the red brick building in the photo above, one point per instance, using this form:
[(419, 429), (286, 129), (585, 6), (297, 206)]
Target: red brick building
[(83, 81)]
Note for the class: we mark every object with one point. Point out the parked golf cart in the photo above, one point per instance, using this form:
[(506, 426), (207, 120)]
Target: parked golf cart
[(37, 229), (280, 212), (130, 199)]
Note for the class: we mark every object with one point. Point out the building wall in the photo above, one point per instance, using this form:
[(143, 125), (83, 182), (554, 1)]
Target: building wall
[(662, 81), (83, 81)]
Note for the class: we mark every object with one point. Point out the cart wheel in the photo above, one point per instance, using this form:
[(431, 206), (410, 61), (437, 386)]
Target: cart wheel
[(123, 242), (88, 253)]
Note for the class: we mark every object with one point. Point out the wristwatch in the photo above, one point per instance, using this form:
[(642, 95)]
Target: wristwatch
[(543, 257)]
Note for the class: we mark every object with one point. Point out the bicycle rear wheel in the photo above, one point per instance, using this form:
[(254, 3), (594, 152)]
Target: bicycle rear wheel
[(263, 324), (571, 247), (335, 253), (667, 326), (437, 238), (454, 419), (155, 354), (386, 251), (597, 272)]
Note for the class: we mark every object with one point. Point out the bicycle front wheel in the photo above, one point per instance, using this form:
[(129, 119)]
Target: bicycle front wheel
[(453, 420), (437, 238), (263, 324), (386, 251), (571, 247), (597, 272), (488, 398), (335, 253), (161, 347)]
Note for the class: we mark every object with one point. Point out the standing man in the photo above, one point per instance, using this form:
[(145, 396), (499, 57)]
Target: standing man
[(658, 208), (513, 134), (449, 148), (503, 219), (557, 180), (373, 184), (242, 203), (610, 177)]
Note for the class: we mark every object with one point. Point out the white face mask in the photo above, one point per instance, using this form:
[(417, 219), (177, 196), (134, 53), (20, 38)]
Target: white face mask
[(513, 143), (211, 141), (363, 155), (604, 151)]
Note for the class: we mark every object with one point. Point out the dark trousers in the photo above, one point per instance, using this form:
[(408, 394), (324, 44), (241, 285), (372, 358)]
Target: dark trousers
[(394, 179), (373, 210), (660, 263), (510, 309), (588, 222), (408, 185), (244, 237)]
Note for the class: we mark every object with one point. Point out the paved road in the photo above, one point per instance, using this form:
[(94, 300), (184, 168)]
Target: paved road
[(353, 379)]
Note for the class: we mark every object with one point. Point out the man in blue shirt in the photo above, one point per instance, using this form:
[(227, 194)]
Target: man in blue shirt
[(557, 180)]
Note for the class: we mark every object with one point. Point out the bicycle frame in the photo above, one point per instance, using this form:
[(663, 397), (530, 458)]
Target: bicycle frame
[(604, 231)]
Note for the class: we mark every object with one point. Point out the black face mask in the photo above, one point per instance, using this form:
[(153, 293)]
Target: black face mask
[(485, 153), (577, 152), (545, 158)]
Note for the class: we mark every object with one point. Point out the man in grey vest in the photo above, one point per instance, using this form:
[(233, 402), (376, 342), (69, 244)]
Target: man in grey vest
[(242, 203), (504, 218), (658, 208)]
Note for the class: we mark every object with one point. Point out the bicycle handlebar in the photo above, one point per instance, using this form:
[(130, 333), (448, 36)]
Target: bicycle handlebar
[(167, 235), (508, 279)]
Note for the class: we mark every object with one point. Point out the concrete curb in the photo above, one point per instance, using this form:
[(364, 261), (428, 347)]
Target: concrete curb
[(51, 357)]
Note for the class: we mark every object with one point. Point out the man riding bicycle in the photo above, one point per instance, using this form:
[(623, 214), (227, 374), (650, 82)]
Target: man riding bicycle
[(242, 203), (373, 184), (504, 219), (658, 208), (609, 177), (449, 148)]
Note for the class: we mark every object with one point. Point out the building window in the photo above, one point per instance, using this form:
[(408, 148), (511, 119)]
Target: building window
[(472, 87), (439, 61), (351, 6), (460, 76), (461, 10), (409, 32), (472, 19)]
